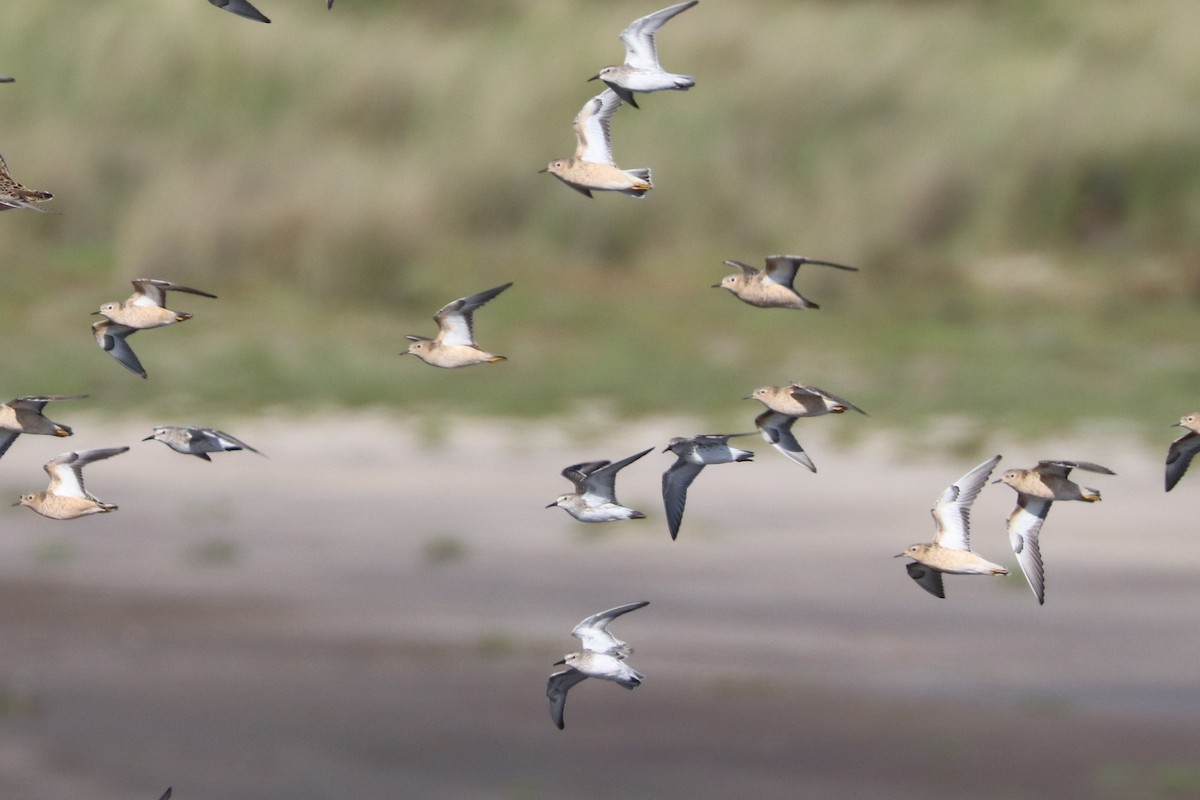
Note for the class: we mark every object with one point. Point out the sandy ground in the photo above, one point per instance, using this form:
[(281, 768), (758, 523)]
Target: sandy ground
[(365, 614)]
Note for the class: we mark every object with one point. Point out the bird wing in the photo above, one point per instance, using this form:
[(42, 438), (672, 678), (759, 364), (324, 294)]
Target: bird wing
[(593, 631), (6, 440), (786, 267), (1024, 525), (16, 202), (556, 689), (781, 270), (66, 470), (715, 438), (927, 578), (799, 391), (746, 269), (952, 510), (226, 441), (1063, 468), (242, 8), (111, 338), (13, 194), (600, 484), (592, 133), (37, 403), (1179, 455), (578, 473), (456, 325), (675, 483), (153, 292), (66, 475), (638, 38), (776, 429)]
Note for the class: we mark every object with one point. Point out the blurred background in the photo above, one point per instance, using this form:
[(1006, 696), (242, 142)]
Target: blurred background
[(1018, 183)]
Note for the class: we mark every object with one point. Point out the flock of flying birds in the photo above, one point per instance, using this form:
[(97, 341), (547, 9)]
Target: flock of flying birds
[(594, 497), (65, 497)]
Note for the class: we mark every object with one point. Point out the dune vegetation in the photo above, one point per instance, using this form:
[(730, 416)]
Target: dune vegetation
[(1019, 183)]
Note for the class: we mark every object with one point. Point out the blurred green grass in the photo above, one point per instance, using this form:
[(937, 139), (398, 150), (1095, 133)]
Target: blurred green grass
[(1019, 183)]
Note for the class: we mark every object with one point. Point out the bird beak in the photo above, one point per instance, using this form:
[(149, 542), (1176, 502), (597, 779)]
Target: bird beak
[(998, 480), (559, 663), (148, 438), (594, 77), (95, 313), (543, 169), (552, 505), (898, 555), (715, 286), (16, 504)]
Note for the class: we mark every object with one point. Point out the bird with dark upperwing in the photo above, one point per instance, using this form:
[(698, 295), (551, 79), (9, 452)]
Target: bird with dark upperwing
[(692, 455), (146, 307), (772, 287), (243, 8), (111, 338), (786, 404), (454, 346), (1179, 454), (24, 415), (194, 440), (595, 495), (799, 400)]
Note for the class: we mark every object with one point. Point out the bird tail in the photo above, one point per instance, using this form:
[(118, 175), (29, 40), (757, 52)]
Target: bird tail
[(642, 175)]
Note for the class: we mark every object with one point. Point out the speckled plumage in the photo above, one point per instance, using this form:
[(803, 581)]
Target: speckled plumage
[(14, 195)]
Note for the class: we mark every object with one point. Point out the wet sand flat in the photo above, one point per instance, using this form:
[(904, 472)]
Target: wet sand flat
[(341, 619)]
